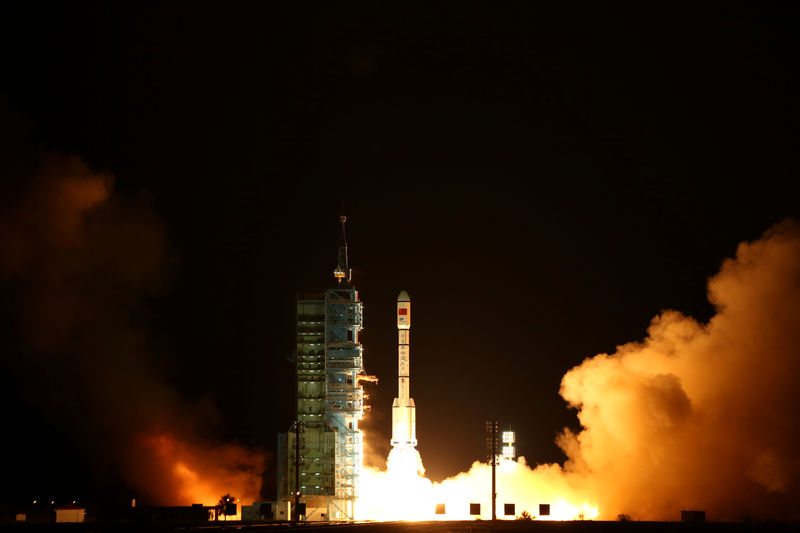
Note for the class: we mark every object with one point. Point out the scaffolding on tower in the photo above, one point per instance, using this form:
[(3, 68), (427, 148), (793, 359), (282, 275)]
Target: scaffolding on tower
[(330, 400)]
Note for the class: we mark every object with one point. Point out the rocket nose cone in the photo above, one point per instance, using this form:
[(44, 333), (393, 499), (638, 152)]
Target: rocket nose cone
[(403, 297)]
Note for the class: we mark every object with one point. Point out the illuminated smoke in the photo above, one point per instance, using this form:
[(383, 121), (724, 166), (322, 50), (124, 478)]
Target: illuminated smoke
[(700, 416), (197, 471), (81, 264), (695, 416)]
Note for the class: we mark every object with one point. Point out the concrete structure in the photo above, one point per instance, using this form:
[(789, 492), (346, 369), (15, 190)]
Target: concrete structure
[(328, 445)]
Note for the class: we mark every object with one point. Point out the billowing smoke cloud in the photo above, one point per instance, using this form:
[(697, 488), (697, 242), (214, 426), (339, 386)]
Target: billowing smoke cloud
[(700, 416), (694, 417), (81, 265)]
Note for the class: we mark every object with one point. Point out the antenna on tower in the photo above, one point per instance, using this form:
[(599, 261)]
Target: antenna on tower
[(343, 270)]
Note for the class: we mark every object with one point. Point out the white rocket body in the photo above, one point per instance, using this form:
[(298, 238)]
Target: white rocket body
[(404, 416)]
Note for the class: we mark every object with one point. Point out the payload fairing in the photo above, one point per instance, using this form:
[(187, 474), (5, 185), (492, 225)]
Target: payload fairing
[(404, 416)]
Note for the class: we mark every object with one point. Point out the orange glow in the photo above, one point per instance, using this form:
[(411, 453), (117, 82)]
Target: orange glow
[(193, 473)]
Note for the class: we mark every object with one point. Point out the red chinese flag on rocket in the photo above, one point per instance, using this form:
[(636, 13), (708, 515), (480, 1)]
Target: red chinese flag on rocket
[(402, 311)]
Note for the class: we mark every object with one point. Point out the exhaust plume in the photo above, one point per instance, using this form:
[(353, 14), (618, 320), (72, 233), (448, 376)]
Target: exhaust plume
[(700, 416), (82, 265), (695, 416)]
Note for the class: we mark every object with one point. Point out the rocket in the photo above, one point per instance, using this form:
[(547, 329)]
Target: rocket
[(404, 415)]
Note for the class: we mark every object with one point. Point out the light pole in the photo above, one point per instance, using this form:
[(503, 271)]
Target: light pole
[(297, 427), (491, 448)]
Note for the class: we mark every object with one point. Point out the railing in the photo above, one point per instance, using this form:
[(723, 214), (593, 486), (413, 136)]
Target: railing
[(354, 364), (346, 394)]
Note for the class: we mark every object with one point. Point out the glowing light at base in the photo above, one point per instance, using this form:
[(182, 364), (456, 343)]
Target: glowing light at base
[(402, 492)]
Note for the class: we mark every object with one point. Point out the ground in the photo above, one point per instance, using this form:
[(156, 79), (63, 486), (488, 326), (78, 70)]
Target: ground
[(500, 526)]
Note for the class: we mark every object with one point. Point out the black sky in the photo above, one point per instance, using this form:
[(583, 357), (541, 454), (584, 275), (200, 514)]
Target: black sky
[(542, 182)]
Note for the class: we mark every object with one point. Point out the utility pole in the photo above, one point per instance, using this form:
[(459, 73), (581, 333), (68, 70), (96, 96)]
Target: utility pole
[(491, 448), (297, 427)]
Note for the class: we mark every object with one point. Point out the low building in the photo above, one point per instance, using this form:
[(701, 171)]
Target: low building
[(71, 513), (265, 512)]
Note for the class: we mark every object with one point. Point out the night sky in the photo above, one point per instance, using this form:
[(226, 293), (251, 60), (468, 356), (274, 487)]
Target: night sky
[(542, 182)]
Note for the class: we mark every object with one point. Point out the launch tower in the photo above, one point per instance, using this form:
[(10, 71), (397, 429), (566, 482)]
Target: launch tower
[(329, 401)]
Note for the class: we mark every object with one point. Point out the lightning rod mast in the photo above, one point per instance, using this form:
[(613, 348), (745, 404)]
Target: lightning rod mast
[(343, 270)]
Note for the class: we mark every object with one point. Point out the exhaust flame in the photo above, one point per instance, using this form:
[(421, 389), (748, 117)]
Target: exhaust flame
[(401, 492), (695, 416)]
